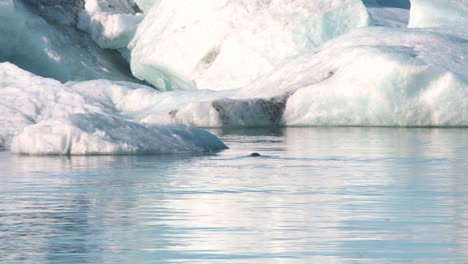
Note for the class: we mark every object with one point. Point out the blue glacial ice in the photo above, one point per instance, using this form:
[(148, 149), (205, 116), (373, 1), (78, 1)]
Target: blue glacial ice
[(389, 13), (42, 38)]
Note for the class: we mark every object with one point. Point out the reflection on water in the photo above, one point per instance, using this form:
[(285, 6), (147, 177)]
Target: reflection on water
[(317, 195)]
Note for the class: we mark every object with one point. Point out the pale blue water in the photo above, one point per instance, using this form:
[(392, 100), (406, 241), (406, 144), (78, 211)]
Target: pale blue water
[(317, 195)]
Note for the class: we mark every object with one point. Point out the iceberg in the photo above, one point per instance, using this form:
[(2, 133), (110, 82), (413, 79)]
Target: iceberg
[(98, 134), (375, 76), (223, 44), (436, 13), (43, 116), (38, 37)]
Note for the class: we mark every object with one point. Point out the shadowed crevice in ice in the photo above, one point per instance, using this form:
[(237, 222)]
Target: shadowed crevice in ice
[(245, 112), (228, 112)]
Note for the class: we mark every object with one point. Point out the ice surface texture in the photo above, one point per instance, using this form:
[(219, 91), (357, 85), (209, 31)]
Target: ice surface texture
[(373, 76), (378, 77), (435, 13), (221, 44), (97, 134), (43, 116)]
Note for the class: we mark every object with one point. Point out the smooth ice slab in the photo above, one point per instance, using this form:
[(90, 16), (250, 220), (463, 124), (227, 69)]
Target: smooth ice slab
[(43, 116), (97, 134), (221, 44)]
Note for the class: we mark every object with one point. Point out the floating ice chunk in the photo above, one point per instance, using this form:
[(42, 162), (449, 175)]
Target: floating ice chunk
[(91, 134), (436, 13), (221, 44), (373, 76), (111, 23), (52, 49), (377, 77), (46, 117), (396, 94)]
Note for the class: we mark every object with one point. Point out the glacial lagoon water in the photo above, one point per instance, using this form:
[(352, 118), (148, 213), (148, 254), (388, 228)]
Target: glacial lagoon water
[(316, 195)]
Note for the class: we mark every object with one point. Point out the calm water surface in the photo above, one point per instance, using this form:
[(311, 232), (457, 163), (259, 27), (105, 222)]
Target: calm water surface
[(317, 195)]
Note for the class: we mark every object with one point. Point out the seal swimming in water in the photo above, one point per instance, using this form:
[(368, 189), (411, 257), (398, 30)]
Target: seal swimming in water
[(255, 154)]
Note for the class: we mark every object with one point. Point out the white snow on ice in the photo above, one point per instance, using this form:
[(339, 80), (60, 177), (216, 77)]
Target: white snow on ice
[(221, 44), (379, 77), (97, 134), (436, 13), (111, 23), (42, 116), (373, 76)]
